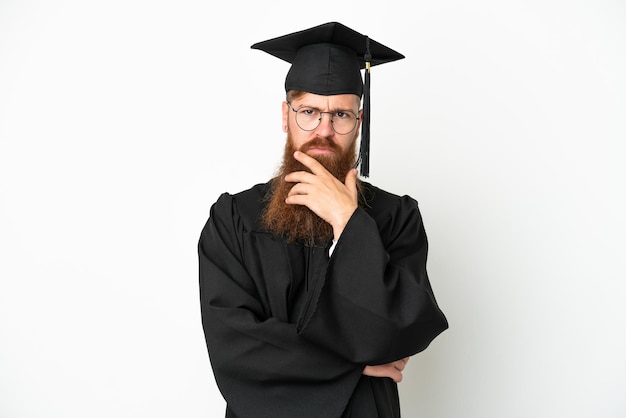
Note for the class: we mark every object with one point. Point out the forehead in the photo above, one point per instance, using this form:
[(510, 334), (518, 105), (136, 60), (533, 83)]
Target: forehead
[(337, 101)]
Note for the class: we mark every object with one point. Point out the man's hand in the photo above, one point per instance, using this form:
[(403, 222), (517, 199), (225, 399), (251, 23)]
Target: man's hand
[(323, 193), (392, 370)]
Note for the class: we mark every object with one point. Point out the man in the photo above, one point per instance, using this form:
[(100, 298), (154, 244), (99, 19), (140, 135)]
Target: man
[(313, 286)]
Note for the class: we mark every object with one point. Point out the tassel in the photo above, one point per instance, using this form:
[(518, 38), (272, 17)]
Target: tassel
[(364, 152)]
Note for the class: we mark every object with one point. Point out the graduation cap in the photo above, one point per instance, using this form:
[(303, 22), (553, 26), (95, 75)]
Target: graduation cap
[(327, 60)]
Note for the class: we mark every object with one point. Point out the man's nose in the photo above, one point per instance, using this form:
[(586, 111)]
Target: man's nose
[(325, 127)]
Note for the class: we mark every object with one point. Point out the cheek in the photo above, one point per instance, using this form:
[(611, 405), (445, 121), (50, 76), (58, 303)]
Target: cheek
[(347, 143), (297, 137)]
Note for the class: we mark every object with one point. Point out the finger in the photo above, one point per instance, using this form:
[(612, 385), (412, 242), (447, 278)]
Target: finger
[(398, 378), (399, 365), (299, 177), (402, 363), (396, 375), (351, 181), (298, 189), (383, 371), (298, 199), (311, 163)]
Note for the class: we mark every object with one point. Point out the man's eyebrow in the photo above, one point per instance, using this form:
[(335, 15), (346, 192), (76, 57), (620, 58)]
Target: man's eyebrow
[(343, 110), (333, 110)]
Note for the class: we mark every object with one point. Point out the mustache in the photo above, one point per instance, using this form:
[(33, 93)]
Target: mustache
[(320, 142)]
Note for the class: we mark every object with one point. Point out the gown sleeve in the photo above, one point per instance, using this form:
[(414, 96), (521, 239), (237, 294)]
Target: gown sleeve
[(377, 304), (262, 367)]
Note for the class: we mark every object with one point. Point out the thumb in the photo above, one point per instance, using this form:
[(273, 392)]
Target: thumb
[(351, 181)]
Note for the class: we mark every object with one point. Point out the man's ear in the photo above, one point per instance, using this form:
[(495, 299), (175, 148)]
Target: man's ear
[(285, 116)]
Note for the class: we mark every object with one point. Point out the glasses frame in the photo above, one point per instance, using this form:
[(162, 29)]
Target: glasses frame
[(356, 115)]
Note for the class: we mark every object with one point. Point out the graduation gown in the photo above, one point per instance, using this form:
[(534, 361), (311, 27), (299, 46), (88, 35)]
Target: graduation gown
[(289, 328)]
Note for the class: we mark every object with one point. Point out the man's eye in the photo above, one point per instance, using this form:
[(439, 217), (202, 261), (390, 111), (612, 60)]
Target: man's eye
[(308, 112), (343, 115)]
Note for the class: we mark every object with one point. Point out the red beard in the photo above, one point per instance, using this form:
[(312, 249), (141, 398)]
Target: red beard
[(298, 222)]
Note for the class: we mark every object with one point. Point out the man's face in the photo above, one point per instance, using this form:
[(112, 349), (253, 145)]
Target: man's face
[(334, 151), (322, 141)]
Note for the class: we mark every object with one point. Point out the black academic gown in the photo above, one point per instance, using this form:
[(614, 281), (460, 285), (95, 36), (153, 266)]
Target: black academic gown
[(290, 329)]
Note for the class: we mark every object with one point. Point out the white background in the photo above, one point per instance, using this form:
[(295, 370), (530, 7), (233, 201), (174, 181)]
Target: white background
[(122, 121)]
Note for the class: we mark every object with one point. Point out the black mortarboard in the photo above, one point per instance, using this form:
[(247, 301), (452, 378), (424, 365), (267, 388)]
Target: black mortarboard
[(327, 60)]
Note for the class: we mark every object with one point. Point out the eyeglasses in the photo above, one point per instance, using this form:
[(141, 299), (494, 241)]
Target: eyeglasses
[(309, 118)]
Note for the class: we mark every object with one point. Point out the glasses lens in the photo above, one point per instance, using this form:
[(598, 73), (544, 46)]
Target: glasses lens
[(308, 118), (344, 121)]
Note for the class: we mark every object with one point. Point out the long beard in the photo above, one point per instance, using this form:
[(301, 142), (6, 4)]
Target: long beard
[(298, 222)]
